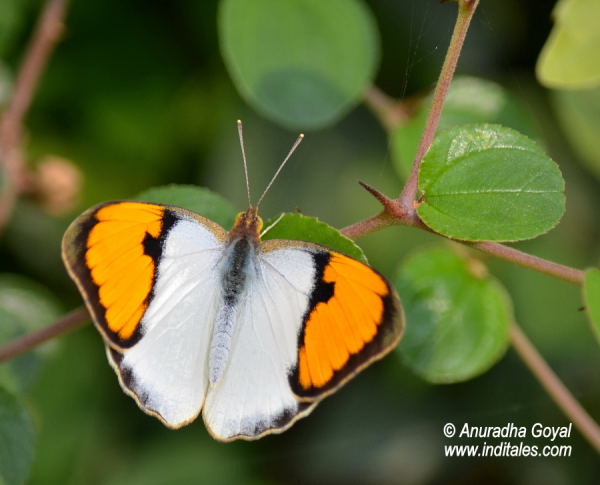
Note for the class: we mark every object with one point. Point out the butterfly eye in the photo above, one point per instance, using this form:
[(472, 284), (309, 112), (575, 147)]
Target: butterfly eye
[(238, 216)]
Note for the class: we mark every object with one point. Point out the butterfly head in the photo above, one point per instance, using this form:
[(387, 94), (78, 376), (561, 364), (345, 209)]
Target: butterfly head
[(248, 224)]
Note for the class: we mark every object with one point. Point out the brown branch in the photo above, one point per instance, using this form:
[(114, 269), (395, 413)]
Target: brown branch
[(64, 324), (402, 211), (43, 40), (554, 386), (389, 111), (367, 226), (530, 261), (396, 213), (466, 9)]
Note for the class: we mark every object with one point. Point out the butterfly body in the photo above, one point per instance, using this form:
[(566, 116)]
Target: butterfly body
[(237, 265), (250, 333)]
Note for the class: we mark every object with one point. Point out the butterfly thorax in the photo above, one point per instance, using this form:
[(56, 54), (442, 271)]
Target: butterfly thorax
[(247, 224), (236, 265)]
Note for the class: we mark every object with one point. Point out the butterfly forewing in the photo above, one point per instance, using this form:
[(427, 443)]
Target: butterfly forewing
[(164, 368), (352, 318)]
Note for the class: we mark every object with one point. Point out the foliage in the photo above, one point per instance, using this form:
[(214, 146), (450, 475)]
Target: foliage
[(197, 199), (570, 58), (154, 103), (303, 228), (24, 306), (470, 100), (579, 114), (316, 70), (16, 439), (459, 315), (488, 182)]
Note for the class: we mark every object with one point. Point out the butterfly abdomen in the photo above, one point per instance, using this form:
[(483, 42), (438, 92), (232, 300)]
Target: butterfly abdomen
[(234, 269)]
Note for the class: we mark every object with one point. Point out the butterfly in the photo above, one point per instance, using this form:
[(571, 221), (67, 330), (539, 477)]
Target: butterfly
[(197, 319)]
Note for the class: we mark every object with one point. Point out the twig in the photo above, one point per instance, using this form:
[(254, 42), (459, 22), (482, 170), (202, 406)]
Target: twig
[(560, 271), (43, 40), (64, 324), (390, 112), (401, 210), (367, 226), (466, 9), (554, 386), (395, 213)]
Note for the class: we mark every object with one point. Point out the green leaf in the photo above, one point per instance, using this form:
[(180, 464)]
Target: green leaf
[(198, 199), (570, 58), (16, 440), (25, 306), (469, 100), (579, 115), (457, 316), (489, 183), (591, 297), (304, 228), (303, 63)]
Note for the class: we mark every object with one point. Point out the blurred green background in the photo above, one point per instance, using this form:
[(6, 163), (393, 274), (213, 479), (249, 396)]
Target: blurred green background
[(137, 95)]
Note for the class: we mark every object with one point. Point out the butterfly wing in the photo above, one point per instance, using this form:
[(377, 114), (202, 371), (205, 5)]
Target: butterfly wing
[(253, 396), (354, 317), (309, 319), (146, 273), (312, 318)]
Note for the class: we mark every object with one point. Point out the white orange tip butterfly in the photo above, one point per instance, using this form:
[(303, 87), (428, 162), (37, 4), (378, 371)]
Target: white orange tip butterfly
[(200, 320)]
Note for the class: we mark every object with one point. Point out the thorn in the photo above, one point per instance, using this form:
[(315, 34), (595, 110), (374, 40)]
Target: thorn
[(388, 204), (375, 193), (391, 207)]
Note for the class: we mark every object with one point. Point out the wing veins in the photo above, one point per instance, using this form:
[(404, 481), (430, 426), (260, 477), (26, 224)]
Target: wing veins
[(285, 278)]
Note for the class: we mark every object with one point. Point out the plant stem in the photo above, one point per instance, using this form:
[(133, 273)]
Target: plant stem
[(395, 213), (367, 226), (530, 261), (43, 40), (466, 9), (390, 112), (554, 386), (70, 321)]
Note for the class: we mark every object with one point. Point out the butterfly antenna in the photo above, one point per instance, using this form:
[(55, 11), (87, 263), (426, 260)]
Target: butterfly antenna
[(241, 137), (292, 150)]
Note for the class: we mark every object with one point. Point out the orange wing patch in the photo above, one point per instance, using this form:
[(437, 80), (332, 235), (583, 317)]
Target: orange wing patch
[(115, 243), (354, 319)]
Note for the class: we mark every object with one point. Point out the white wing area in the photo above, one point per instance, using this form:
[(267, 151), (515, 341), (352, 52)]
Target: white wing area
[(166, 371), (253, 396)]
